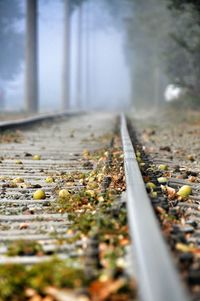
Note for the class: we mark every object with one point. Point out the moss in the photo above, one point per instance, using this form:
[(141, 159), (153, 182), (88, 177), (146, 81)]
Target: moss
[(60, 274), (24, 247), (13, 281), (11, 136)]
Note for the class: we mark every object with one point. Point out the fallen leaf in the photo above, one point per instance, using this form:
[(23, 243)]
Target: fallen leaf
[(171, 192), (101, 290)]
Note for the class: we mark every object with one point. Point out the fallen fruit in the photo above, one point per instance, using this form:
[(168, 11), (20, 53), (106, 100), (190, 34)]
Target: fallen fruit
[(185, 191), (18, 180), (100, 199), (162, 180), (81, 181), (163, 167), (64, 193), (150, 185), (153, 195), (184, 248), (92, 185), (18, 162), (36, 157), (91, 193), (39, 195), (49, 180), (138, 154)]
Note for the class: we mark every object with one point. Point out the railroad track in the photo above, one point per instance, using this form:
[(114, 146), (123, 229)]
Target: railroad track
[(77, 163)]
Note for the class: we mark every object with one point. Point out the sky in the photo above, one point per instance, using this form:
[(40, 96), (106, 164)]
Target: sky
[(109, 86)]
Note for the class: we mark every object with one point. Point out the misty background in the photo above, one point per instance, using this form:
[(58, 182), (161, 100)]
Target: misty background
[(109, 86), (131, 51)]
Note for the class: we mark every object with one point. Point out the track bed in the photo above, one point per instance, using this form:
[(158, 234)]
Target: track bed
[(71, 242), (170, 150)]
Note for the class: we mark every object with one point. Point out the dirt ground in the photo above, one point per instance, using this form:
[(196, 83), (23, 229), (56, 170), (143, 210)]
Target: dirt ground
[(173, 133)]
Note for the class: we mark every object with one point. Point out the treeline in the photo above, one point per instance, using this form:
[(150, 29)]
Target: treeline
[(162, 43), (162, 46), (184, 41), (12, 37)]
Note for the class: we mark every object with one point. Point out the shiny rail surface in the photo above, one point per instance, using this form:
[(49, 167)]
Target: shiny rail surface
[(157, 277)]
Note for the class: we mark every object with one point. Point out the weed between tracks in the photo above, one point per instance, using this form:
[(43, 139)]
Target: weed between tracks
[(98, 218), (9, 136)]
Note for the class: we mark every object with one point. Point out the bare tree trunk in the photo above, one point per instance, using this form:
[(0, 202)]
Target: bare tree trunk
[(79, 60), (157, 87), (66, 58), (87, 69), (31, 57)]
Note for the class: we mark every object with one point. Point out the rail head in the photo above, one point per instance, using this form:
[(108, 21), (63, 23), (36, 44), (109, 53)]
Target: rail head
[(4, 125), (158, 279)]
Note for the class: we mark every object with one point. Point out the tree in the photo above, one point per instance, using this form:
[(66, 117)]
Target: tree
[(31, 86), (145, 25), (11, 39), (162, 45), (184, 45), (12, 43), (146, 34), (181, 4)]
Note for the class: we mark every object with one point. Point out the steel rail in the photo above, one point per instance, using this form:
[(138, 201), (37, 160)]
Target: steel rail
[(35, 118), (158, 279)]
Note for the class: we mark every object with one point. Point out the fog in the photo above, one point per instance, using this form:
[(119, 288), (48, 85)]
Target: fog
[(106, 71), (131, 52)]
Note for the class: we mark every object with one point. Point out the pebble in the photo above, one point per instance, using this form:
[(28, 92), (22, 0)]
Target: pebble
[(186, 258), (165, 206), (191, 173), (179, 237), (174, 212), (187, 229), (155, 201), (176, 168), (165, 148), (88, 164), (194, 277), (192, 223)]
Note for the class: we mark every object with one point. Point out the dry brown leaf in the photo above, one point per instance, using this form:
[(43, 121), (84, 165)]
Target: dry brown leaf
[(62, 294), (36, 298), (30, 292), (196, 252), (171, 192), (160, 210), (101, 290), (167, 174), (124, 242), (48, 298), (192, 179), (23, 226)]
